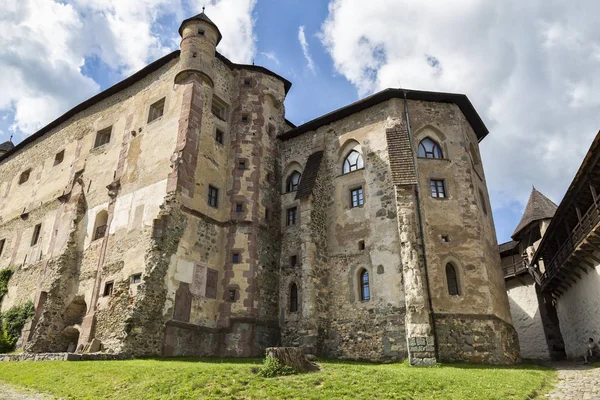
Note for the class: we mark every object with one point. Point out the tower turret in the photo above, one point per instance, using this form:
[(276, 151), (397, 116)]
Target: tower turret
[(199, 39)]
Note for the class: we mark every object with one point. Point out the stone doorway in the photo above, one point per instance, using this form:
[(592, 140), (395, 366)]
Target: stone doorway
[(73, 318)]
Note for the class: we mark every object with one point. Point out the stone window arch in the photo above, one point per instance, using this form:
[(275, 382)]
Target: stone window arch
[(293, 297), (429, 148), (100, 225), (293, 181), (452, 280), (365, 285), (353, 162)]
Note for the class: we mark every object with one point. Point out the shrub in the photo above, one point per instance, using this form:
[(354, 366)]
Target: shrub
[(11, 324), (5, 275), (272, 368)]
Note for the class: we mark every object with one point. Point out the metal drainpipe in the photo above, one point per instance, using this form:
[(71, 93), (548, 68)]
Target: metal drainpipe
[(421, 232)]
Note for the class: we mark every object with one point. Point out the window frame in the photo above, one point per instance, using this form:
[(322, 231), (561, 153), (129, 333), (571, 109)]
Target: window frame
[(290, 186), (219, 108), (360, 197), (103, 133), (37, 232), (430, 155), (108, 289), (365, 285), (357, 166), (293, 213), (452, 283), (212, 198), (153, 108), (440, 191), (136, 278), (219, 136)]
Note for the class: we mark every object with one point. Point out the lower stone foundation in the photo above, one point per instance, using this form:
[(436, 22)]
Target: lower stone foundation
[(62, 357), (476, 338)]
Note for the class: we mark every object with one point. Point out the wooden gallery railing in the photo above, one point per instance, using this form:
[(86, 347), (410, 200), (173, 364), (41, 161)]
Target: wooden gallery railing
[(514, 269)]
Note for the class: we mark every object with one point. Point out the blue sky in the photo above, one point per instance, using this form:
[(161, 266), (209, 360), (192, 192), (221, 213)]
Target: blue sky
[(530, 69)]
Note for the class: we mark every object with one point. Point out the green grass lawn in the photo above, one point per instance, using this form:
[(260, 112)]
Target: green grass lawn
[(236, 379)]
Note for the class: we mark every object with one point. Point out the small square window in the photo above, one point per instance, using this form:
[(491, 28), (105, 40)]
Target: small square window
[(356, 197), (156, 110), (445, 239), (108, 288), (291, 216), (235, 258), (213, 196), (2, 242), (59, 157), (437, 188), (241, 164), (239, 207), (137, 278), (219, 135), (361, 245), (293, 260), (244, 118), (247, 82), (35, 238), (201, 32), (103, 137), (194, 55), (231, 294), (24, 176)]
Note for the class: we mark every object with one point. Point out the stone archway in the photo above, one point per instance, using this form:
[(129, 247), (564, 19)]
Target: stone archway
[(73, 317)]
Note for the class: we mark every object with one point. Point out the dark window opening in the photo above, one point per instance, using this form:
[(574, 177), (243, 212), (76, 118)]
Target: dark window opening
[(213, 196), (429, 149), (242, 165), (239, 207), (219, 108), (137, 278), (291, 216), (365, 293), (2, 242), (156, 110), (108, 289), (361, 244), (235, 258), (353, 162), (201, 32), (293, 298), (244, 118), (445, 239), (24, 176), (293, 181), (437, 188), (452, 280), (267, 214), (356, 197), (103, 137), (293, 260), (247, 82), (36, 234), (100, 232), (231, 294), (219, 136), (59, 157), (194, 55)]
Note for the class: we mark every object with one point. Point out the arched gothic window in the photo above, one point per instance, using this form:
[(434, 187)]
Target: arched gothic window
[(365, 292), (429, 149), (452, 280), (353, 162), (293, 298), (293, 181), (100, 225)]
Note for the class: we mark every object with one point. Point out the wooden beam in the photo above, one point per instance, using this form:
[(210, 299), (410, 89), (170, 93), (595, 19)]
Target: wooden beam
[(592, 244), (590, 254), (584, 261)]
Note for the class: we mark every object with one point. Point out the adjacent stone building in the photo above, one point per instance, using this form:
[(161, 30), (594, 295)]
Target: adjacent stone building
[(179, 213)]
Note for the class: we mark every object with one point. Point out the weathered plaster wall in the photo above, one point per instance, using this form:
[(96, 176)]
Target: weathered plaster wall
[(579, 312), (526, 317)]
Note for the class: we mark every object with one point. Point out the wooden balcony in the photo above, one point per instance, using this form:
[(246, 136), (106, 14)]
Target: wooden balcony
[(515, 269)]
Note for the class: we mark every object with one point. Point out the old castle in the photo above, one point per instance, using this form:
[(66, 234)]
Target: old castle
[(179, 213)]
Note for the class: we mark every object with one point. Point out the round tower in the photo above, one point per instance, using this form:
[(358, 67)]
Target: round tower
[(199, 39)]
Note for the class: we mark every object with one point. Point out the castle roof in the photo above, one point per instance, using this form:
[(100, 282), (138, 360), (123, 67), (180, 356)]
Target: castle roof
[(538, 207), (6, 146), (460, 100), (508, 246), (309, 175), (201, 17)]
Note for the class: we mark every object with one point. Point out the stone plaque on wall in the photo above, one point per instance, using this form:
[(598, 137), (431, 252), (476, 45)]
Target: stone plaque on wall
[(199, 281)]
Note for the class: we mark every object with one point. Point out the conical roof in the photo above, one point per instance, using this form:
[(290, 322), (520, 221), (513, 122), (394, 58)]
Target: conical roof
[(201, 17), (538, 207)]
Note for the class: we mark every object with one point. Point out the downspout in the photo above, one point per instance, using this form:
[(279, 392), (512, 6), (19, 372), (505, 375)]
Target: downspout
[(421, 232)]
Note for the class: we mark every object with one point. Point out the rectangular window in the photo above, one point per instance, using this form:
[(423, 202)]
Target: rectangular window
[(156, 110), (231, 294), (356, 197), (100, 232), (213, 196), (291, 216), (201, 32), (293, 260), (437, 188), (445, 239), (247, 82), (219, 108), (59, 157), (244, 118), (108, 288), (219, 135), (103, 137), (212, 279), (36, 234), (2, 242), (239, 207), (137, 278), (242, 164), (235, 258)]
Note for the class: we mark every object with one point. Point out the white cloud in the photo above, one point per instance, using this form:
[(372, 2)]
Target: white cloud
[(45, 44), (529, 68), (271, 56), (304, 44)]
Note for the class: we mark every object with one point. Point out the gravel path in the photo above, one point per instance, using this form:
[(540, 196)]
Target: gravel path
[(576, 382), (11, 393)]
